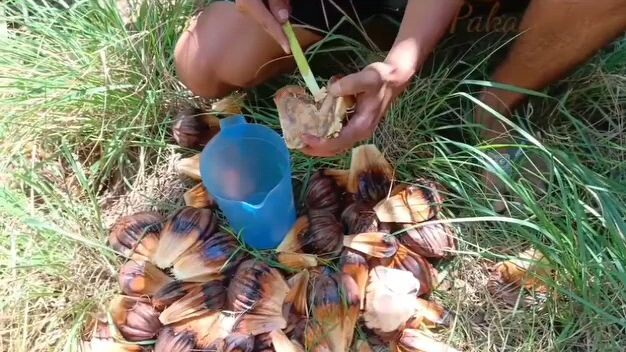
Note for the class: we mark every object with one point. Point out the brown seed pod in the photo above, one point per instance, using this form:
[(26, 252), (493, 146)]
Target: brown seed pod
[(390, 299), (434, 313), (411, 340), (185, 229), (359, 217), (199, 197), (422, 270), (189, 167), (135, 318), (370, 174), (229, 105), (170, 340), (323, 194), (297, 261), (263, 343), (171, 293), (418, 202), (258, 291), (434, 241), (100, 339), (373, 244), (315, 338), (317, 233), (201, 300), (141, 278), (296, 301), (193, 128), (335, 309), (136, 236), (219, 253), (236, 342), (281, 342), (355, 265)]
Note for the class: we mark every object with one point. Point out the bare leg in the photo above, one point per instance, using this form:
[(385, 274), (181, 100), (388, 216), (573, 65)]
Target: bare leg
[(559, 35), (223, 50)]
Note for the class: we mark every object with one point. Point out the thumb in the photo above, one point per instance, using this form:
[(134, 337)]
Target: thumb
[(281, 9)]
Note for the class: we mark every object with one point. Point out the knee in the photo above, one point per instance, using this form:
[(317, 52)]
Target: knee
[(197, 58)]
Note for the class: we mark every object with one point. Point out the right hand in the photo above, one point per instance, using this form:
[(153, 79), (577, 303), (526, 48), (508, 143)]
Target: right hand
[(270, 17)]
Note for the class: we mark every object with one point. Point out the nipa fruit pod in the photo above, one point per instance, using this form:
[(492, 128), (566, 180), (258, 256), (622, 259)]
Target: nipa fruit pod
[(204, 299), (391, 299), (296, 301), (415, 203), (199, 197), (282, 343), (359, 217), (216, 255), (236, 342), (370, 174), (373, 244), (172, 292), (193, 128), (136, 236), (317, 233), (194, 334), (422, 270), (323, 193), (257, 293), (184, 229), (355, 265), (434, 241), (100, 339), (189, 167), (297, 261), (135, 318), (411, 340), (142, 278)]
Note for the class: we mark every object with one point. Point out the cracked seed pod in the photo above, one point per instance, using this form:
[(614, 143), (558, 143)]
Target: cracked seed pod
[(359, 217), (199, 197), (194, 334), (411, 340), (317, 233), (370, 174), (135, 318), (434, 241), (258, 293), (263, 343), (323, 194), (296, 300), (218, 254), (315, 339), (236, 342), (373, 244), (141, 278), (300, 113), (296, 326), (206, 298), (422, 270), (355, 265), (390, 299), (189, 167), (183, 230), (418, 202), (281, 342), (335, 309), (136, 236), (297, 261), (193, 128), (229, 105), (171, 293), (434, 313), (100, 339)]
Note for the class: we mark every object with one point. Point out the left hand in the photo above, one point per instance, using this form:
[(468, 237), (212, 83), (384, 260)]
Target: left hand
[(375, 87)]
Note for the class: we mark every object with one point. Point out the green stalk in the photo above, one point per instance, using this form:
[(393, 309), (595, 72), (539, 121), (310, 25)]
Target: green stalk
[(303, 65)]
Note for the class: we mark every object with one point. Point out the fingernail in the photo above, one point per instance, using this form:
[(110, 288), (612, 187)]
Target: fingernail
[(286, 48), (283, 15)]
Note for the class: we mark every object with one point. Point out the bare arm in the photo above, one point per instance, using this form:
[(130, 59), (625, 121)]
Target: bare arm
[(423, 24)]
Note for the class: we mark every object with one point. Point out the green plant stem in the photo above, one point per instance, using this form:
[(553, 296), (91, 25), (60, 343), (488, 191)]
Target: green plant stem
[(303, 65)]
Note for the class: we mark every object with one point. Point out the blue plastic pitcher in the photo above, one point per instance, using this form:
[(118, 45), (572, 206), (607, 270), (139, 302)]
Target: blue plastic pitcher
[(246, 167)]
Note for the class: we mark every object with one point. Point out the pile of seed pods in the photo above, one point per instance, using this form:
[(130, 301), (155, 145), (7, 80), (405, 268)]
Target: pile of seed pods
[(358, 263)]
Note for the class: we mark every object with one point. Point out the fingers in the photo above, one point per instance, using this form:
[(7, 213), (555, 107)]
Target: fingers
[(370, 78), (280, 9), (262, 15), (358, 129)]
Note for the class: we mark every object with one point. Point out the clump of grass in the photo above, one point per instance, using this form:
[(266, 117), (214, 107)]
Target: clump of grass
[(83, 108)]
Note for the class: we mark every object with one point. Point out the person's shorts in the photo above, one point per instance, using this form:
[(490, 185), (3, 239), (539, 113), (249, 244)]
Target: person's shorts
[(476, 16)]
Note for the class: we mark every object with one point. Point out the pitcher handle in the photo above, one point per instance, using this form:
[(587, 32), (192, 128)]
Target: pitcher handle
[(232, 121)]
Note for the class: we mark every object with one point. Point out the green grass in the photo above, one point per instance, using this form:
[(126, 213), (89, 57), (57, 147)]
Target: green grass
[(85, 104)]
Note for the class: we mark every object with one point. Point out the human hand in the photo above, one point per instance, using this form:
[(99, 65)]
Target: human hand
[(270, 17), (375, 87)]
